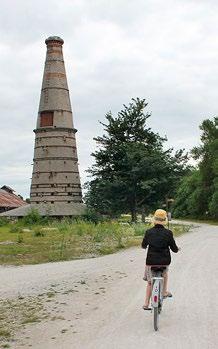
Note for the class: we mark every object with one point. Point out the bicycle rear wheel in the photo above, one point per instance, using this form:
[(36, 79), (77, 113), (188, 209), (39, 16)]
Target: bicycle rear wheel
[(156, 318)]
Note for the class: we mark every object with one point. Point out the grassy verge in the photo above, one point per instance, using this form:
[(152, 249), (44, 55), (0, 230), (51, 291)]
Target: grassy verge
[(67, 240)]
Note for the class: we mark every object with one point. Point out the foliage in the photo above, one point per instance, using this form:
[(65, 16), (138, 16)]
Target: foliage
[(197, 195), (14, 229), (3, 221), (188, 196), (20, 239), (139, 228), (132, 171), (33, 217), (38, 232), (91, 215), (213, 205)]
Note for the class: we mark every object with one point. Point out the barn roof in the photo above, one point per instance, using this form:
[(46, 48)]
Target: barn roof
[(10, 200), (56, 209)]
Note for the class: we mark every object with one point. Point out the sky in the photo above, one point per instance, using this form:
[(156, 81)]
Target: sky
[(114, 50)]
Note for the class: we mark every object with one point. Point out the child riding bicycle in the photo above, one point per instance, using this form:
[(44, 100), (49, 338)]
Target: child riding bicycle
[(159, 241)]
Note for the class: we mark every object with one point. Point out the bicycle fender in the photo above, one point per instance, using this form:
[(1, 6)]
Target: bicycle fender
[(155, 293)]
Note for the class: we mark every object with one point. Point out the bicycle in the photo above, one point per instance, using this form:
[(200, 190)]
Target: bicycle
[(157, 293)]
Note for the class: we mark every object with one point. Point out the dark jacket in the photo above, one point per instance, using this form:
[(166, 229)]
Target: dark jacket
[(159, 241)]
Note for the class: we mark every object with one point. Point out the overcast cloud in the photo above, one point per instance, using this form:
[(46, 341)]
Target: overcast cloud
[(164, 51)]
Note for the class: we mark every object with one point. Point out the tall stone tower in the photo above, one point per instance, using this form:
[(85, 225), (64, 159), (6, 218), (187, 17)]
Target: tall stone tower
[(55, 177)]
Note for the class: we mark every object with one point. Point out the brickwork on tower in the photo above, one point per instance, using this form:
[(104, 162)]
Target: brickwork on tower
[(55, 177)]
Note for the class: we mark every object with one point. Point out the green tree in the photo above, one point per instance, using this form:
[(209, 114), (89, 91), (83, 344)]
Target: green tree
[(132, 171), (197, 195), (189, 196)]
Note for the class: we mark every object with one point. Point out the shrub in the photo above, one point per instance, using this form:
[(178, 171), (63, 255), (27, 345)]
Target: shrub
[(33, 217), (20, 239), (14, 229), (93, 216), (38, 233), (3, 221)]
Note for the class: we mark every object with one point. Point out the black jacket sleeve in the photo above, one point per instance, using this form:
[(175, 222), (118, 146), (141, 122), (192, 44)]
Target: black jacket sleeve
[(145, 241), (172, 243)]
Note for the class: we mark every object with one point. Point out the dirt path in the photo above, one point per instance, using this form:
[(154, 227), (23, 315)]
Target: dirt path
[(96, 303)]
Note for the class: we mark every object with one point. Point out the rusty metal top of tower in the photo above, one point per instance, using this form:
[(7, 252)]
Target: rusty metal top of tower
[(54, 38)]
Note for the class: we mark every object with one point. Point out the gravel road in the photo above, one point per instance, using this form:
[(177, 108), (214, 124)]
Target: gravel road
[(101, 299)]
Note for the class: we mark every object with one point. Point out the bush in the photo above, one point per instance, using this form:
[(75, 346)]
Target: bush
[(33, 217), (14, 229), (214, 203), (93, 216), (3, 221), (38, 233), (20, 239)]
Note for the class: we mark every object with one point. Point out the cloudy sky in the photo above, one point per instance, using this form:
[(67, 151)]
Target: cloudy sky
[(164, 51)]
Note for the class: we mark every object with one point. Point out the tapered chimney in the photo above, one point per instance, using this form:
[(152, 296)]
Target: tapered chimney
[(55, 177)]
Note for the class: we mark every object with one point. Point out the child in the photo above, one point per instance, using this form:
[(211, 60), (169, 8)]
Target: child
[(159, 241)]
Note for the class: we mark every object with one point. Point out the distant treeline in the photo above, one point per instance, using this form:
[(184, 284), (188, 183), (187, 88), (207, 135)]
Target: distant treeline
[(197, 194)]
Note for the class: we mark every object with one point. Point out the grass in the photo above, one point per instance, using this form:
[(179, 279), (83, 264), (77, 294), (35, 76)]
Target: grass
[(206, 221), (179, 229), (22, 243), (31, 319), (5, 333)]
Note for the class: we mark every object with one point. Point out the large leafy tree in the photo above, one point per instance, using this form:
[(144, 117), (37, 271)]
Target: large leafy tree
[(189, 196), (198, 194), (132, 171)]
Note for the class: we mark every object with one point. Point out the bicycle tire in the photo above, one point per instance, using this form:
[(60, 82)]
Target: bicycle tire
[(160, 306), (156, 318)]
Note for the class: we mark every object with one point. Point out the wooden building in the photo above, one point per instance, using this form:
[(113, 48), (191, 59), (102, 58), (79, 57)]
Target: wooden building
[(9, 200)]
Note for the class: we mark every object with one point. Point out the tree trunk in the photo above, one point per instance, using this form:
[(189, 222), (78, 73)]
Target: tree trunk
[(143, 214), (134, 215), (133, 207)]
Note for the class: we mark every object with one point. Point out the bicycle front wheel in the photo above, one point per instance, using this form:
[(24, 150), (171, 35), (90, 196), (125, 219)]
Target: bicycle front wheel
[(156, 318)]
